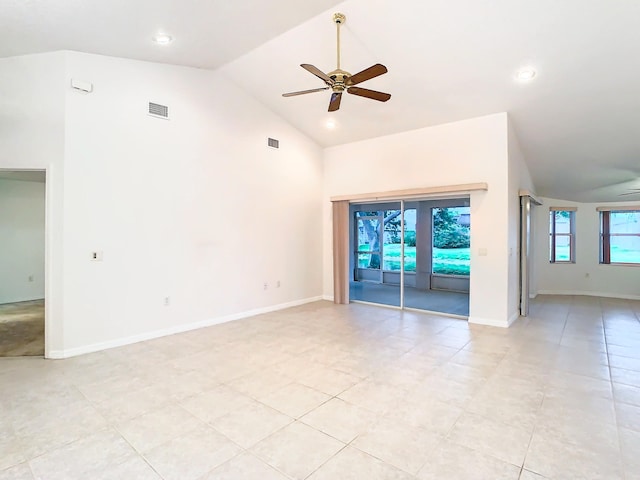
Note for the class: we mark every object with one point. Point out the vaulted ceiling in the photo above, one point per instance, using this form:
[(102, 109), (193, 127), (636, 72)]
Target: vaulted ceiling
[(448, 60)]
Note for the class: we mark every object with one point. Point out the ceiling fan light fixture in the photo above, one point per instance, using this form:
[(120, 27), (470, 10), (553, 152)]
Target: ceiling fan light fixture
[(162, 39), (526, 74)]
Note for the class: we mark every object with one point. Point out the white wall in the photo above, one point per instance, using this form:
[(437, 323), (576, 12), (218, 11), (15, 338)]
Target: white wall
[(587, 276), (32, 137), (463, 152), (196, 208), (519, 178), (22, 218)]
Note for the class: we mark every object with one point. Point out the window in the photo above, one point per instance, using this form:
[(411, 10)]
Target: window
[(451, 241), (562, 235), (620, 237)]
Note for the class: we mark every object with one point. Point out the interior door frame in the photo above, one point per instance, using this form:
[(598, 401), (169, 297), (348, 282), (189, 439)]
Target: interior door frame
[(527, 203), (47, 246)]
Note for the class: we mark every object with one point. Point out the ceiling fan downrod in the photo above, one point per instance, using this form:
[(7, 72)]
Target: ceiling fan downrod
[(338, 19)]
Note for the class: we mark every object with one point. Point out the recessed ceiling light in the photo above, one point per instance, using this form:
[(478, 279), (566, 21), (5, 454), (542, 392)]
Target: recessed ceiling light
[(526, 74), (163, 39), (330, 124)]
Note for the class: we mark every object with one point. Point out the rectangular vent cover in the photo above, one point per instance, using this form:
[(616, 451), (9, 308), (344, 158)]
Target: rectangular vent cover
[(273, 143), (157, 110)]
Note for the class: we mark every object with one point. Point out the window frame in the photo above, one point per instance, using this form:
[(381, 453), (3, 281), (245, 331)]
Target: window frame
[(553, 235), (605, 236)]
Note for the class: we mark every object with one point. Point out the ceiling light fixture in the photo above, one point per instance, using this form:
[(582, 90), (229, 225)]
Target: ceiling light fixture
[(163, 39), (330, 124), (526, 74)]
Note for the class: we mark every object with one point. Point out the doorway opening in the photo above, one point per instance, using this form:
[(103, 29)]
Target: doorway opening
[(412, 254), (22, 262)]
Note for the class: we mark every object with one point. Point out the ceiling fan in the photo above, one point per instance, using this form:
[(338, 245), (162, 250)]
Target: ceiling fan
[(339, 80)]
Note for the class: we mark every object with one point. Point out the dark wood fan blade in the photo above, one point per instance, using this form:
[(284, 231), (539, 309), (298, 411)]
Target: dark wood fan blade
[(364, 92), (318, 73), (302, 92), (371, 72), (334, 103)]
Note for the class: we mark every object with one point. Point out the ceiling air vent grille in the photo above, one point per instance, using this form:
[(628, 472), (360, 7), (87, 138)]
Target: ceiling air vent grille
[(273, 143), (159, 111)]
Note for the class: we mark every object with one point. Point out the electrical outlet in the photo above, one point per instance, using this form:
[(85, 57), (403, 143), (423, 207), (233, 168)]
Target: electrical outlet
[(266, 285), (96, 256), (167, 301), (31, 278), (278, 284)]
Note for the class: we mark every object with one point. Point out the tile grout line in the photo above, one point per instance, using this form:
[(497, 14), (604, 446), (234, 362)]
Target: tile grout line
[(613, 394)]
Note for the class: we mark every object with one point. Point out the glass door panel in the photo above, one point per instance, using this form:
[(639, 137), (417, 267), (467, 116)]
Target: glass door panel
[(437, 256), (376, 253)]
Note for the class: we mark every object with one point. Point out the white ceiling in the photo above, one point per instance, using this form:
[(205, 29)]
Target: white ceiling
[(578, 121), (207, 33)]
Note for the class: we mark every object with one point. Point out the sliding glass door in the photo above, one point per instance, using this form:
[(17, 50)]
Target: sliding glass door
[(412, 254)]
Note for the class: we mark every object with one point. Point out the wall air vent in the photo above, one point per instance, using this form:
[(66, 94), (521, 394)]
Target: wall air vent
[(158, 111), (273, 143)]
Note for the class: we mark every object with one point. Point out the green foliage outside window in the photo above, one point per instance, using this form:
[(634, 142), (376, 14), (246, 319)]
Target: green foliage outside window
[(447, 232)]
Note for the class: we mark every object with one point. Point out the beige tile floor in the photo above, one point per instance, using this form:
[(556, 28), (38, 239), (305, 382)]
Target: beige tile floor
[(340, 392)]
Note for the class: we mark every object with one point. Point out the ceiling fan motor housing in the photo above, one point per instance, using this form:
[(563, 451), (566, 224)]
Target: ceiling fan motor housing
[(341, 79)]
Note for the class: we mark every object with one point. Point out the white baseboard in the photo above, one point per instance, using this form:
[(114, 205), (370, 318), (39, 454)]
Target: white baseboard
[(622, 296), (492, 322), (533, 295), (96, 347), (328, 298)]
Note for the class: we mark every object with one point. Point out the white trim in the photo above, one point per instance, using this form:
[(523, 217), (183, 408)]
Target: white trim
[(413, 193), (328, 298), (95, 347), (622, 208), (527, 193), (563, 209), (533, 295), (493, 322), (623, 296), (49, 321)]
